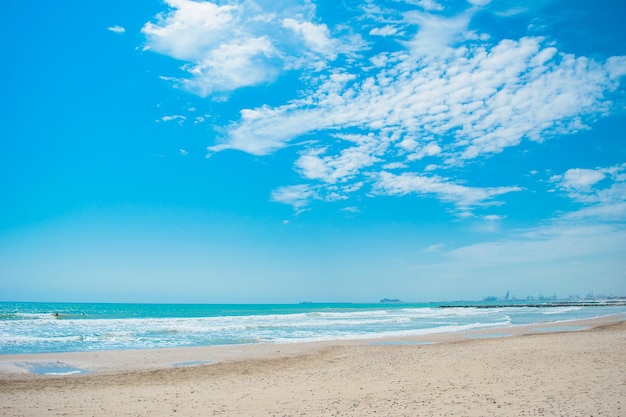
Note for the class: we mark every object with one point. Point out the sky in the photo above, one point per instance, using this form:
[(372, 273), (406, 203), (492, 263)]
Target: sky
[(296, 150)]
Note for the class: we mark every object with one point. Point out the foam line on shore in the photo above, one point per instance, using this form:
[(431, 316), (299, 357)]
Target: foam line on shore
[(111, 362), (527, 374)]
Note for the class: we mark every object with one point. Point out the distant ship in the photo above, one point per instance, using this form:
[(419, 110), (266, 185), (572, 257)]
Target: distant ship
[(390, 300)]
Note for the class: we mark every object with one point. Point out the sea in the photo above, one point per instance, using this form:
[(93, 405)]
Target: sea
[(80, 327)]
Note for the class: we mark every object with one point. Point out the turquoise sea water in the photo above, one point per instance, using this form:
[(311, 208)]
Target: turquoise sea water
[(71, 327)]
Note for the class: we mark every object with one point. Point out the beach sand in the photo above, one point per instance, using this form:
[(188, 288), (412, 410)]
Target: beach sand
[(530, 373)]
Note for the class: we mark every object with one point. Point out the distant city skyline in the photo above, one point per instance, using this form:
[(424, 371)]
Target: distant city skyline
[(235, 152)]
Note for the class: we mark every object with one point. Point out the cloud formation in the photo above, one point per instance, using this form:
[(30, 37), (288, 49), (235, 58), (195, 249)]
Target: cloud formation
[(447, 95), (117, 29), (463, 197), (240, 44), (600, 191)]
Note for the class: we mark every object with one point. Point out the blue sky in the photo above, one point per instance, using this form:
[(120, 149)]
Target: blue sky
[(286, 151)]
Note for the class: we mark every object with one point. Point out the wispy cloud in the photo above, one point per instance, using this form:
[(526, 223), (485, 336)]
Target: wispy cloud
[(542, 245), (384, 31), (117, 29), (316, 37), (295, 195), (463, 197), (434, 248), (180, 119), (601, 191), (549, 257)]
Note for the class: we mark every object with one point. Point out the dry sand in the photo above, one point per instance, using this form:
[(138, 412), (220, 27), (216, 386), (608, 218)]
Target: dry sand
[(568, 373)]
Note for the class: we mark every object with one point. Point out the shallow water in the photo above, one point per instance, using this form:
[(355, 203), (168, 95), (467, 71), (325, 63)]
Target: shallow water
[(50, 368), (68, 327)]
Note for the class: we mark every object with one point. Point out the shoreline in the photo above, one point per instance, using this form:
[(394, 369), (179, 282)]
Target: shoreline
[(93, 363), (135, 326), (547, 372)]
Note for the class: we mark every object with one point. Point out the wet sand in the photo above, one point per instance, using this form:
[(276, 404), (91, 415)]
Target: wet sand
[(572, 369)]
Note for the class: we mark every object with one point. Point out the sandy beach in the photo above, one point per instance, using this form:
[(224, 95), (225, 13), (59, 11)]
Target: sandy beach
[(573, 370)]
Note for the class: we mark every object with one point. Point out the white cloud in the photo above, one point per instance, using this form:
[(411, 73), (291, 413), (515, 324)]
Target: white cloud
[(581, 179), (173, 118), (616, 65), (191, 29), (394, 165), (611, 211), (437, 33), (233, 65), (116, 29), (387, 30), (347, 164), (447, 96), (430, 149), (241, 44), (316, 37), (221, 56), (479, 2), (463, 197), (297, 196), (602, 191), (477, 99), (493, 217), (351, 209), (430, 5), (200, 119)]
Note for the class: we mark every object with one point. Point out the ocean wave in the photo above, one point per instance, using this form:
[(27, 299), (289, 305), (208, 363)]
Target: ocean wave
[(38, 332), (393, 334), (559, 310)]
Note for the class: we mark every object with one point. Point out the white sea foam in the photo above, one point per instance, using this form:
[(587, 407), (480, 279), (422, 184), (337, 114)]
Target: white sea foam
[(392, 334), (43, 333), (63, 373), (560, 310)]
